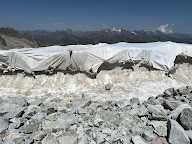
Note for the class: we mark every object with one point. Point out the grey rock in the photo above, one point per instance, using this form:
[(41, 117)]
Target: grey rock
[(49, 108), (107, 131), (38, 116), (143, 111), (4, 125), (186, 118), (64, 121), (189, 134), (38, 102), (14, 113), (92, 142), (122, 103), (17, 122), (50, 140), (47, 125), (171, 105), (148, 135), (67, 139), (31, 110), (6, 107), (175, 113), (1, 100), (81, 103), (176, 134), (28, 141), (170, 92), (156, 109), (134, 101), (160, 127), (97, 121), (19, 100), (137, 140), (108, 86), (14, 138), (38, 135), (100, 137), (183, 91), (31, 126), (84, 111)]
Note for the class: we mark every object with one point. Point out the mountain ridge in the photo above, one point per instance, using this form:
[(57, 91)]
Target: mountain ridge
[(106, 36)]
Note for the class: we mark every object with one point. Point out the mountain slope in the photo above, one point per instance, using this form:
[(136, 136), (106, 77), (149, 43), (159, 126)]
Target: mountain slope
[(10, 38)]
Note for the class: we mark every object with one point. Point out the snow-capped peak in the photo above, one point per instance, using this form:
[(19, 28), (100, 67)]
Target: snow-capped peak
[(116, 30)]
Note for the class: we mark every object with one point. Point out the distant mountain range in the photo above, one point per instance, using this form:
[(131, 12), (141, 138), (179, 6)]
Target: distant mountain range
[(105, 36), (10, 38)]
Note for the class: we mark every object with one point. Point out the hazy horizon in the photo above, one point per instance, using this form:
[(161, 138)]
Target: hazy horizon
[(173, 16)]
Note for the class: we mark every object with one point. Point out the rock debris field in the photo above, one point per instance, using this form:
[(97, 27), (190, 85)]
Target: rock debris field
[(166, 118)]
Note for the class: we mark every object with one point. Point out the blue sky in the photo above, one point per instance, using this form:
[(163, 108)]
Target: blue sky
[(85, 15)]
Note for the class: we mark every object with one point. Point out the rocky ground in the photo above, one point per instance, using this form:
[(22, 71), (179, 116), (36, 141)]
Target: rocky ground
[(166, 118)]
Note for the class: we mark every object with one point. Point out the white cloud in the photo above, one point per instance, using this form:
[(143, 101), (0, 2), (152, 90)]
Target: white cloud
[(165, 29)]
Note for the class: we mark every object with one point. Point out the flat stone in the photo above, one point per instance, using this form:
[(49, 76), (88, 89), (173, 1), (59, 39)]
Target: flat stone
[(171, 105), (122, 103), (137, 140), (160, 127), (176, 134), (64, 121), (14, 113), (156, 109), (68, 139), (84, 111), (186, 118)]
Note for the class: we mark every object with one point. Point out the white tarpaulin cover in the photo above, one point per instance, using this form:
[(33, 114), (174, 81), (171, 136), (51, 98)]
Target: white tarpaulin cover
[(161, 55)]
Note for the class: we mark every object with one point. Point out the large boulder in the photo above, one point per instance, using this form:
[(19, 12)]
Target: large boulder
[(176, 134), (186, 118)]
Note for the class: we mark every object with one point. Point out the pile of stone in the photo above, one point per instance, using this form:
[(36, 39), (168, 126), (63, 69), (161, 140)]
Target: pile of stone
[(166, 118)]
